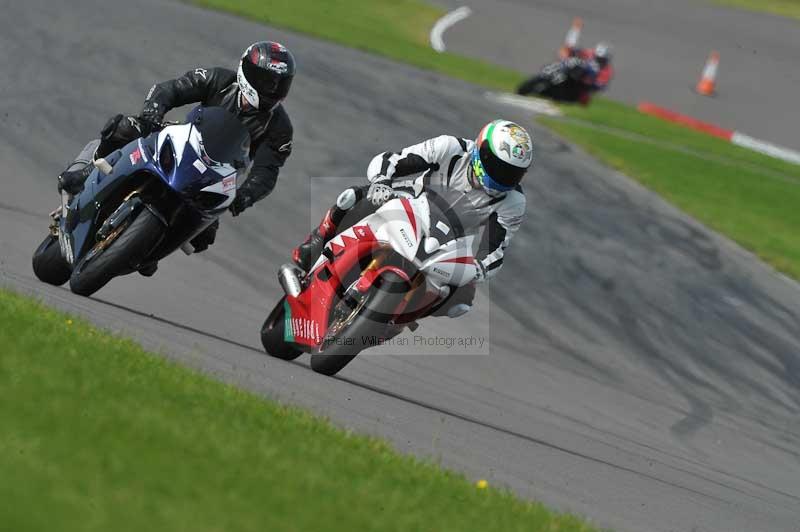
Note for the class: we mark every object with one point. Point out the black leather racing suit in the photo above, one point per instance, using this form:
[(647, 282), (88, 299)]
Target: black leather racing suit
[(270, 131), (270, 135)]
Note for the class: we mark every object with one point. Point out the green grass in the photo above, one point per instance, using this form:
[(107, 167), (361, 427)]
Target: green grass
[(786, 8), (397, 29), (606, 113), (749, 197), (99, 435)]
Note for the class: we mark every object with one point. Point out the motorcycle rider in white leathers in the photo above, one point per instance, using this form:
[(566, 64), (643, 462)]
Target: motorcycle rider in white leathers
[(488, 171)]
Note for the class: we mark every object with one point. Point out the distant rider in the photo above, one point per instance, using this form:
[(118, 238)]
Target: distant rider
[(599, 71), (253, 93), (488, 172)]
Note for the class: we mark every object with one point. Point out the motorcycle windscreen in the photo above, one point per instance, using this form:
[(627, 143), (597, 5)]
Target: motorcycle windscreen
[(205, 152), (225, 139)]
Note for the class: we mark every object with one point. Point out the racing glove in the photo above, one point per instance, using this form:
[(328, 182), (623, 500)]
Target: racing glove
[(153, 114), (380, 191), (480, 272), (242, 202)]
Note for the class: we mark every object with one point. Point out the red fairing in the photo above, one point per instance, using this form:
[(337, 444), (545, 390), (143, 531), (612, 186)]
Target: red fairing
[(462, 260), (411, 216), (310, 310)]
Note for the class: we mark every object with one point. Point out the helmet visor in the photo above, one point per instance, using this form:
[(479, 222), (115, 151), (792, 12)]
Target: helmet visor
[(271, 86), (483, 177), (496, 174)]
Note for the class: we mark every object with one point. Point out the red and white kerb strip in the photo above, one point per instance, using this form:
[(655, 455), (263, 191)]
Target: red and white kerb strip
[(734, 137)]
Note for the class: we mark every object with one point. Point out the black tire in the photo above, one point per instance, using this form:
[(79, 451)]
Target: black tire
[(534, 85), (122, 256), (368, 323), (48, 263), (272, 334)]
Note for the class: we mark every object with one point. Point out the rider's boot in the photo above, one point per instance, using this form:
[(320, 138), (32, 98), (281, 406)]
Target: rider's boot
[(149, 269), (71, 180), (307, 253)]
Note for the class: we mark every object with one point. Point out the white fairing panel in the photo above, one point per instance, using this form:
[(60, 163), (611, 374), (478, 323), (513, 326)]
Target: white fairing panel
[(179, 136), (402, 223), (453, 264)]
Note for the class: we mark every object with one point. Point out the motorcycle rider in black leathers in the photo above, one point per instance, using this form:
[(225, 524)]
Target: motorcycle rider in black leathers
[(253, 93)]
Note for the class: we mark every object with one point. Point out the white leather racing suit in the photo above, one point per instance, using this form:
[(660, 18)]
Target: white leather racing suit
[(444, 161)]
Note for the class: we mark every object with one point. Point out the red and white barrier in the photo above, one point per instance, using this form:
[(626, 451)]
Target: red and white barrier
[(734, 137)]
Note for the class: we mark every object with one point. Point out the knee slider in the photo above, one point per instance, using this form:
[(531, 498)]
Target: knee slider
[(346, 199), (458, 310)]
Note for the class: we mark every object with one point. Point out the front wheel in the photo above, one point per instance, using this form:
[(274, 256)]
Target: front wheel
[(363, 327), (273, 332), (49, 264), (535, 85), (119, 253)]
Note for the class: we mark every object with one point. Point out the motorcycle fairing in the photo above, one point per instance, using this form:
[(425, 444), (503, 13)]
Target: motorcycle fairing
[(208, 186), (402, 225), (307, 315)]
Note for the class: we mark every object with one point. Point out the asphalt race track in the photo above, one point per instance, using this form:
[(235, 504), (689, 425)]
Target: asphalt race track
[(642, 371), (660, 49)]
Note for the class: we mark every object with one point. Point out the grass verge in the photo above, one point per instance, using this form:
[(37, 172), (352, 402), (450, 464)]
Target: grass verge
[(750, 197), (397, 29), (99, 435), (785, 8)]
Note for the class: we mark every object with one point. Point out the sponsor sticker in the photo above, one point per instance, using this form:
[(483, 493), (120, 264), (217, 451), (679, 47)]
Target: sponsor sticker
[(229, 183), (306, 328), (136, 156), (200, 166)]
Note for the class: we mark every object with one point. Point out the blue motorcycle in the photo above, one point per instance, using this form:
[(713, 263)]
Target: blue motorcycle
[(145, 201)]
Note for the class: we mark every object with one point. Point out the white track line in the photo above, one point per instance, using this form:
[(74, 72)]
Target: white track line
[(767, 148), (534, 105), (445, 22)]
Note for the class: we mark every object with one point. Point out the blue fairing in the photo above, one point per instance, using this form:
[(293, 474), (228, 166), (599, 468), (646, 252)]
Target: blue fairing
[(222, 143), (187, 178)]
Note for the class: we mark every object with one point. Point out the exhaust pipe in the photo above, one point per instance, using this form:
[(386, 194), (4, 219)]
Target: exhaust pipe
[(288, 276)]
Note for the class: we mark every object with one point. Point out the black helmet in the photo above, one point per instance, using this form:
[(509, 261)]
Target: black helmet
[(265, 74)]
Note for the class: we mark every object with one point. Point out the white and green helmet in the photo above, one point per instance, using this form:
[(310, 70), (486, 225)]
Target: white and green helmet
[(503, 153)]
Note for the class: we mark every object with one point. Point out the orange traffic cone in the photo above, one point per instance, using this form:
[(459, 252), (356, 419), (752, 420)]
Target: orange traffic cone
[(708, 81), (571, 39)]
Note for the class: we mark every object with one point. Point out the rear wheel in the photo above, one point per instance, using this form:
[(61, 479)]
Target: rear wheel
[(358, 325), (120, 253), (48, 263), (272, 334), (535, 85)]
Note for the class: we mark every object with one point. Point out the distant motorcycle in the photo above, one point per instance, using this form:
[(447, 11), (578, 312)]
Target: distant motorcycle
[(144, 201), (562, 81), (373, 280)]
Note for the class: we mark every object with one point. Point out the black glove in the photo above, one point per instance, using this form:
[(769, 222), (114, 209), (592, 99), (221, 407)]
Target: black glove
[(118, 131), (153, 114), (242, 202)]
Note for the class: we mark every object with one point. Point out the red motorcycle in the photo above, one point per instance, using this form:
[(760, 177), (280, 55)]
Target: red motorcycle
[(373, 280)]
